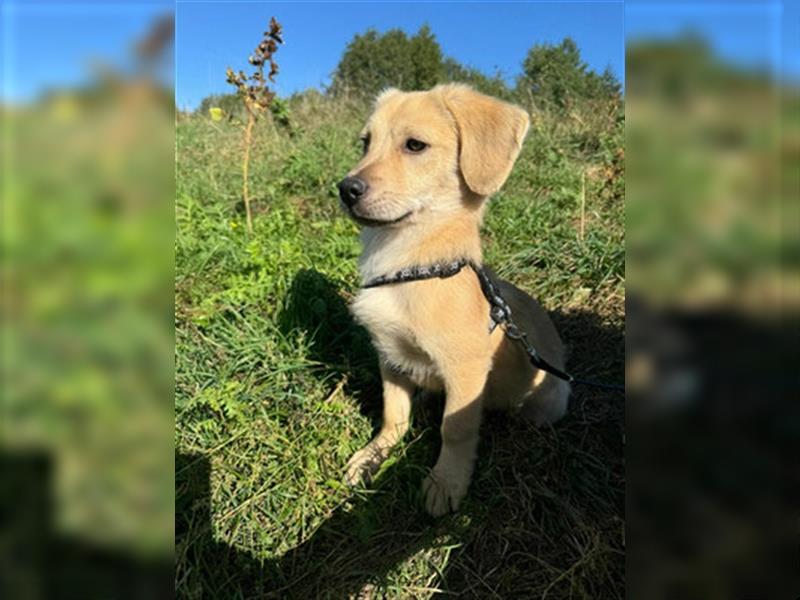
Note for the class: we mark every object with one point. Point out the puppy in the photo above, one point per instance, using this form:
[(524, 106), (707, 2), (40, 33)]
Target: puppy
[(431, 160)]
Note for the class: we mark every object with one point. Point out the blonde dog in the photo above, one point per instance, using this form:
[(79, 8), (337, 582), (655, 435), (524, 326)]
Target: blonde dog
[(431, 159)]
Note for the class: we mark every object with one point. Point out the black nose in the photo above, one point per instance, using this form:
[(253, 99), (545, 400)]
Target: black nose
[(351, 189)]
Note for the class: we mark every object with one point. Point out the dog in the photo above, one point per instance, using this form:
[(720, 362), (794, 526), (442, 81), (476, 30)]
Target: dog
[(431, 160)]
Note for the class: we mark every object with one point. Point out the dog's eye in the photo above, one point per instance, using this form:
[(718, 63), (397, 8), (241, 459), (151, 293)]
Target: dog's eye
[(365, 143), (415, 146)]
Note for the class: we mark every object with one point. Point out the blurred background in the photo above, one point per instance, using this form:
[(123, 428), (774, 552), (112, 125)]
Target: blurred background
[(713, 421), (87, 244)]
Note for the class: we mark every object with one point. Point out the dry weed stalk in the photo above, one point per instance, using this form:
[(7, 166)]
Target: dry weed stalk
[(256, 96)]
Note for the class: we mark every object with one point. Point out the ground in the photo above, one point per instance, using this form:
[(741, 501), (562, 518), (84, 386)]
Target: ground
[(277, 387)]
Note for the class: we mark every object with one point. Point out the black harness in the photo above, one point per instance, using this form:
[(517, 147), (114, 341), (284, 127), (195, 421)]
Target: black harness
[(499, 310)]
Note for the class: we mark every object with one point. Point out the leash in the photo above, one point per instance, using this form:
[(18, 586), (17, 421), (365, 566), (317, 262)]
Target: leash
[(499, 311)]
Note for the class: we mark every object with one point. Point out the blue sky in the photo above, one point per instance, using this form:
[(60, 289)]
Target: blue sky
[(52, 43), (489, 36), (759, 34)]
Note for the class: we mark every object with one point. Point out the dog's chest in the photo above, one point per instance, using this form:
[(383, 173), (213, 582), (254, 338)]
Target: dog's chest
[(389, 318)]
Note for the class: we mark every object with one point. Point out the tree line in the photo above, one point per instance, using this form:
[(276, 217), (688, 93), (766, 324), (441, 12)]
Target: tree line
[(554, 76)]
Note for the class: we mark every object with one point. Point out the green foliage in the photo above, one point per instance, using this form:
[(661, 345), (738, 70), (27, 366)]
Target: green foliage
[(426, 56), (231, 104), (232, 107), (493, 85), (280, 112), (88, 377), (373, 61), (556, 75)]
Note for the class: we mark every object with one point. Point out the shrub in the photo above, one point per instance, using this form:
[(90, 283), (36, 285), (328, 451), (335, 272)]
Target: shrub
[(555, 75), (373, 61), (493, 85)]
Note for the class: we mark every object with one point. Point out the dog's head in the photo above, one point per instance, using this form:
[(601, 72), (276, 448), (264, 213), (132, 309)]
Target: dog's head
[(433, 153)]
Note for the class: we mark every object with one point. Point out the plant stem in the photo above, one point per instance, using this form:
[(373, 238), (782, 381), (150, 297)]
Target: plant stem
[(583, 205), (248, 135)]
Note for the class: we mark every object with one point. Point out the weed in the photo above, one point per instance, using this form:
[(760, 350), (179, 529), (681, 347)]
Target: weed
[(256, 96)]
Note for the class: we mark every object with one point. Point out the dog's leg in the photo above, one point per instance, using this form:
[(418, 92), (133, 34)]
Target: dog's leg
[(449, 479), (547, 403), (397, 392)]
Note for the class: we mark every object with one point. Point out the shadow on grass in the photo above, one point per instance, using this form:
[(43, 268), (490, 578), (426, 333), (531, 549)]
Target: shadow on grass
[(315, 306), (36, 561), (353, 547), (544, 514)]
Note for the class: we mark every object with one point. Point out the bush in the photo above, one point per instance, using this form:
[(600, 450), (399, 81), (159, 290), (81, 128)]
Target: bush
[(493, 85), (555, 75), (229, 103), (373, 61)]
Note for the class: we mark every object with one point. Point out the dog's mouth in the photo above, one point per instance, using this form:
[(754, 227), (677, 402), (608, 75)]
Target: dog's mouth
[(377, 222)]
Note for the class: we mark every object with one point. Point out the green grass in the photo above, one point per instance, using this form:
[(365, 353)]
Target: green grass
[(276, 387)]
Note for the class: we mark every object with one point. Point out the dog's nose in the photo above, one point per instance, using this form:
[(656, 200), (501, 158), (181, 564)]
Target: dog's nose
[(351, 189)]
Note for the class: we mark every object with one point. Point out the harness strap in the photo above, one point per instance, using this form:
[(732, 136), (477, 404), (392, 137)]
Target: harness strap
[(499, 310)]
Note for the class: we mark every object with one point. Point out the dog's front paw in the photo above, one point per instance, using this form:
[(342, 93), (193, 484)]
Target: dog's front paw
[(443, 491), (364, 464)]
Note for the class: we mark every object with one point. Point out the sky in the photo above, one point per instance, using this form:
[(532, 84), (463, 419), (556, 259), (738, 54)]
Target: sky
[(489, 36), (49, 44), (760, 34), (57, 44)]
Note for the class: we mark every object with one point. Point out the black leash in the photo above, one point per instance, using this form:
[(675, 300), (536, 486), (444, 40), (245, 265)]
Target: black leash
[(500, 311)]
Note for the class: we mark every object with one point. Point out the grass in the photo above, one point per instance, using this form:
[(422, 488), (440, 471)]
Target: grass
[(276, 387)]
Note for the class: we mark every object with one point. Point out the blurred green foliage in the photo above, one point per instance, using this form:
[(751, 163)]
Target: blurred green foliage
[(87, 241), (711, 148)]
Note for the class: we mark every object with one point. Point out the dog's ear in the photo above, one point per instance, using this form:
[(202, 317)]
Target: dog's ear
[(490, 133)]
